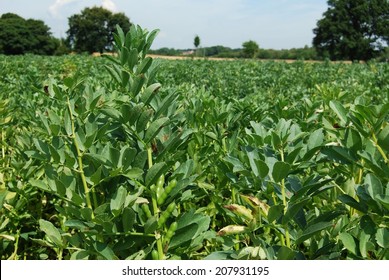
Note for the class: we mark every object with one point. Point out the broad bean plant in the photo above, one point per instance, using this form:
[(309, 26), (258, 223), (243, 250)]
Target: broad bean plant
[(129, 157)]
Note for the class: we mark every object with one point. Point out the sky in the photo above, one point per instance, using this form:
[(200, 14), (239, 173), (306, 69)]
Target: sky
[(273, 24)]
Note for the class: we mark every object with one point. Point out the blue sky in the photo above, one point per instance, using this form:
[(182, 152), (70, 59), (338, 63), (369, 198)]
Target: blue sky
[(277, 24)]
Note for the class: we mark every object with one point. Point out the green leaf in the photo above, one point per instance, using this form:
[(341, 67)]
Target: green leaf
[(383, 138), (186, 220), (150, 38), (383, 199), (353, 140), (154, 128), (368, 225), (127, 156), (220, 255), (124, 54), (312, 230), (51, 232), (96, 177), (121, 35), (184, 235), (137, 84), (143, 120), (338, 154), (237, 164), (155, 172), (128, 219), (104, 251), (350, 201), (276, 140), (374, 185), (258, 166), (151, 225), (118, 201), (363, 239), (339, 110), (315, 139), (293, 208), (275, 212), (40, 185), (111, 112), (280, 171), (133, 173), (42, 147), (131, 114), (211, 135), (140, 160), (285, 253), (78, 224), (263, 169), (114, 73), (144, 66), (382, 237), (125, 77), (348, 242), (161, 109), (133, 58), (148, 93), (80, 255)]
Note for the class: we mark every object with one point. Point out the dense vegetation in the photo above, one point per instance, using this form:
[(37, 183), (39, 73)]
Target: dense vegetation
[(353, 30), (19, 36), (92, 30), (306, 53), (129, 158)]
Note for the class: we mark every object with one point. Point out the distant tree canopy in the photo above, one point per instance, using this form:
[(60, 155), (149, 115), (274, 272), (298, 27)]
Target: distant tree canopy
[(20, 36), (250, 49), (353, 29), (196, 41), (92, 30)]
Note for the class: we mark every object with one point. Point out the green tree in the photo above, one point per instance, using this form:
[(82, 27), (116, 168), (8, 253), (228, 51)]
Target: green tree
[(196, 42), (250, 49), (20, 36), (92, 30), (353, 29)]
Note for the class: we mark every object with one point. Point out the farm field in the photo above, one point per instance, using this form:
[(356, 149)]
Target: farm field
[(140, 158)]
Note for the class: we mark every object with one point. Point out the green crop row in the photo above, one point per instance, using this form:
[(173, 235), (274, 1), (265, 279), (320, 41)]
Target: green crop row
[(129, 157)]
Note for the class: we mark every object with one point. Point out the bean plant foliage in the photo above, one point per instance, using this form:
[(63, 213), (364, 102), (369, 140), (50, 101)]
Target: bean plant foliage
[(128, 157)]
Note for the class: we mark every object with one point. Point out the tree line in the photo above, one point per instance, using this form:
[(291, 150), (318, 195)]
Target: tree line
[(305, 53), (90, 31), (348, 30)]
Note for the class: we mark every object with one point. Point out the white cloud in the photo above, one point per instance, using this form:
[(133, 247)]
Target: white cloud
[(109, 5), (56, 7)]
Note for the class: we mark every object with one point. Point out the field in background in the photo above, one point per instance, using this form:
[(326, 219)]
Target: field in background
[(262, 160)]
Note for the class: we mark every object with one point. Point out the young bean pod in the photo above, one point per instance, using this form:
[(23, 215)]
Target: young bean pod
[(154, 255), (169, 234), (146, 210), (172, 184), (159, 186), (166, 214)]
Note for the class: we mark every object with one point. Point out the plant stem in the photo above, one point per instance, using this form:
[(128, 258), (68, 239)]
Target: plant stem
[(375, 142), (130, 234), (14, 255), (150, 157), (224, 144), (3, 147), (233, 194), (60, 253), (283, 192), (161, 255), (79, 159)]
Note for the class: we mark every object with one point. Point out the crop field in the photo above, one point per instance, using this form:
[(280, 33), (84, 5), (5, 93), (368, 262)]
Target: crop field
[(130, 157)]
